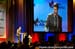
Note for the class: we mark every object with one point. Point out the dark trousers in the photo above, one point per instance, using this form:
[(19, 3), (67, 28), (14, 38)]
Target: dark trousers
[(18, 38)]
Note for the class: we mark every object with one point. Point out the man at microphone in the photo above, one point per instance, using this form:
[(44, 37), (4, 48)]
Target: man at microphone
[(18, 33)]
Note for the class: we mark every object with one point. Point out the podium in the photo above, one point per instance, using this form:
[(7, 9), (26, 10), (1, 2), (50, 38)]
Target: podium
[(22, 36)]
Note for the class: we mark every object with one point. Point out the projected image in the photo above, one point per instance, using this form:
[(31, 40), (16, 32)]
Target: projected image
[(50, 16), (2, 21)]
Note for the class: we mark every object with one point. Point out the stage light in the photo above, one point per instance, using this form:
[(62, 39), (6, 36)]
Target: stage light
[(20, 2), (13, 2), (73, 3)]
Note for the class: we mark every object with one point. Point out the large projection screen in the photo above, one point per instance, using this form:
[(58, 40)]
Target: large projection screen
[(2, 21)]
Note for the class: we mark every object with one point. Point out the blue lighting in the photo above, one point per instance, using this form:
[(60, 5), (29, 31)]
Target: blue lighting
[(47, 35)]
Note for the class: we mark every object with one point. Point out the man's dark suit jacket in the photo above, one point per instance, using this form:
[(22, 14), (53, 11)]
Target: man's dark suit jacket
[(50, 24)]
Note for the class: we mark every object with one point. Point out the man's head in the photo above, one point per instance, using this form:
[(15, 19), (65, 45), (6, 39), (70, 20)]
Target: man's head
[(55, 9), (19, 27)]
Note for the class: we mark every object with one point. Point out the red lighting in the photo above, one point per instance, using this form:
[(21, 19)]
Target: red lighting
[(35, 37), (62, 37)]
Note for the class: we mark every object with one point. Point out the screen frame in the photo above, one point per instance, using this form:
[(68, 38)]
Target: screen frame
[(30, 17)]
